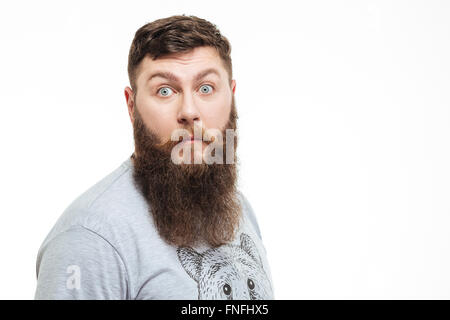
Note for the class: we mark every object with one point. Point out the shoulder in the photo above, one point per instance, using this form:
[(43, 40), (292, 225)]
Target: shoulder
[(247, 210), (108, 209)]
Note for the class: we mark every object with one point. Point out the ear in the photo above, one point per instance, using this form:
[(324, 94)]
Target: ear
[(130, 103), (233, 85), (191, 261), (249, 246)]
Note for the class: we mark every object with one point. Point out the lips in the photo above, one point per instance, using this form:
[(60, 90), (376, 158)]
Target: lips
[(191, 139), (194, 139)]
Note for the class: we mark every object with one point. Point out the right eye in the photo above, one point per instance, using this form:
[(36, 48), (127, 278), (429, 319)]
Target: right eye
[(165, 91), (227, 289)]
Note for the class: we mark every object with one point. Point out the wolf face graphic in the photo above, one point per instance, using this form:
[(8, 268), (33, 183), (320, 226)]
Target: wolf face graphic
[(228, 272)]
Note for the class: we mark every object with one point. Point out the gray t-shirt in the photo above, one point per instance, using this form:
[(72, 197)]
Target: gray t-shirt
[(105, 246)]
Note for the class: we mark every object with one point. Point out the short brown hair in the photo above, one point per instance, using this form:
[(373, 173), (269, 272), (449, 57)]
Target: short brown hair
[(175, 34)]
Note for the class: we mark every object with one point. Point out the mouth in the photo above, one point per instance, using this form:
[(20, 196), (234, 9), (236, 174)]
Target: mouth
[(191, 139), (195, 139)]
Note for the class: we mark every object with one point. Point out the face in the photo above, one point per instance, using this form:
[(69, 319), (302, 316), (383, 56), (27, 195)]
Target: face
[(199, 202), (182, 91)]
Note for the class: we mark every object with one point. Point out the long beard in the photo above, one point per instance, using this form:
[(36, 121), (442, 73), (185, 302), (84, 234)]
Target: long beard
[(189, 203)]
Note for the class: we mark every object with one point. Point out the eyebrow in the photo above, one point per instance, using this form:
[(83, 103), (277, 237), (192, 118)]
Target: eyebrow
[(172, 77)]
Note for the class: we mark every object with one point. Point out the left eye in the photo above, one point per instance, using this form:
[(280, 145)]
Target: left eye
[(206, 88), (250, 284)]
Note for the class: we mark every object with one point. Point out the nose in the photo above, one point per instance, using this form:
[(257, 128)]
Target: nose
[(188, 112)]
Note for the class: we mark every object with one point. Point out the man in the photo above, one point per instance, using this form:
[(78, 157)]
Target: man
[(168, 223)]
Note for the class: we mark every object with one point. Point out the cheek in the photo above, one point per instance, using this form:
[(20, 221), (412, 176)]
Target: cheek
[(159, 120), (217, 116)]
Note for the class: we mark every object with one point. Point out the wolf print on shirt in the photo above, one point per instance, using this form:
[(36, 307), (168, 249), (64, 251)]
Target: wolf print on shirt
[(228, 272)]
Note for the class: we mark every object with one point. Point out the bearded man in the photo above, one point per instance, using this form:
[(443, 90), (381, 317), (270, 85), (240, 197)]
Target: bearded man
[(169, 222)]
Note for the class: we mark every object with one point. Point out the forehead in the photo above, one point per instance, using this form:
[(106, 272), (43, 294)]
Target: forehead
[(184, 65)]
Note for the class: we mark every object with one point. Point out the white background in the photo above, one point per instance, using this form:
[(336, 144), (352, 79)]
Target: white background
[(344, 133)]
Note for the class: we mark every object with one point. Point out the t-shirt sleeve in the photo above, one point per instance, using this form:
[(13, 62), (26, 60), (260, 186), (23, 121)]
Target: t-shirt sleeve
[(79, 264)]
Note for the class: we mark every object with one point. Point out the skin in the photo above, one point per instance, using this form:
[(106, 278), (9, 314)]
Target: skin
[(166, 105)]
